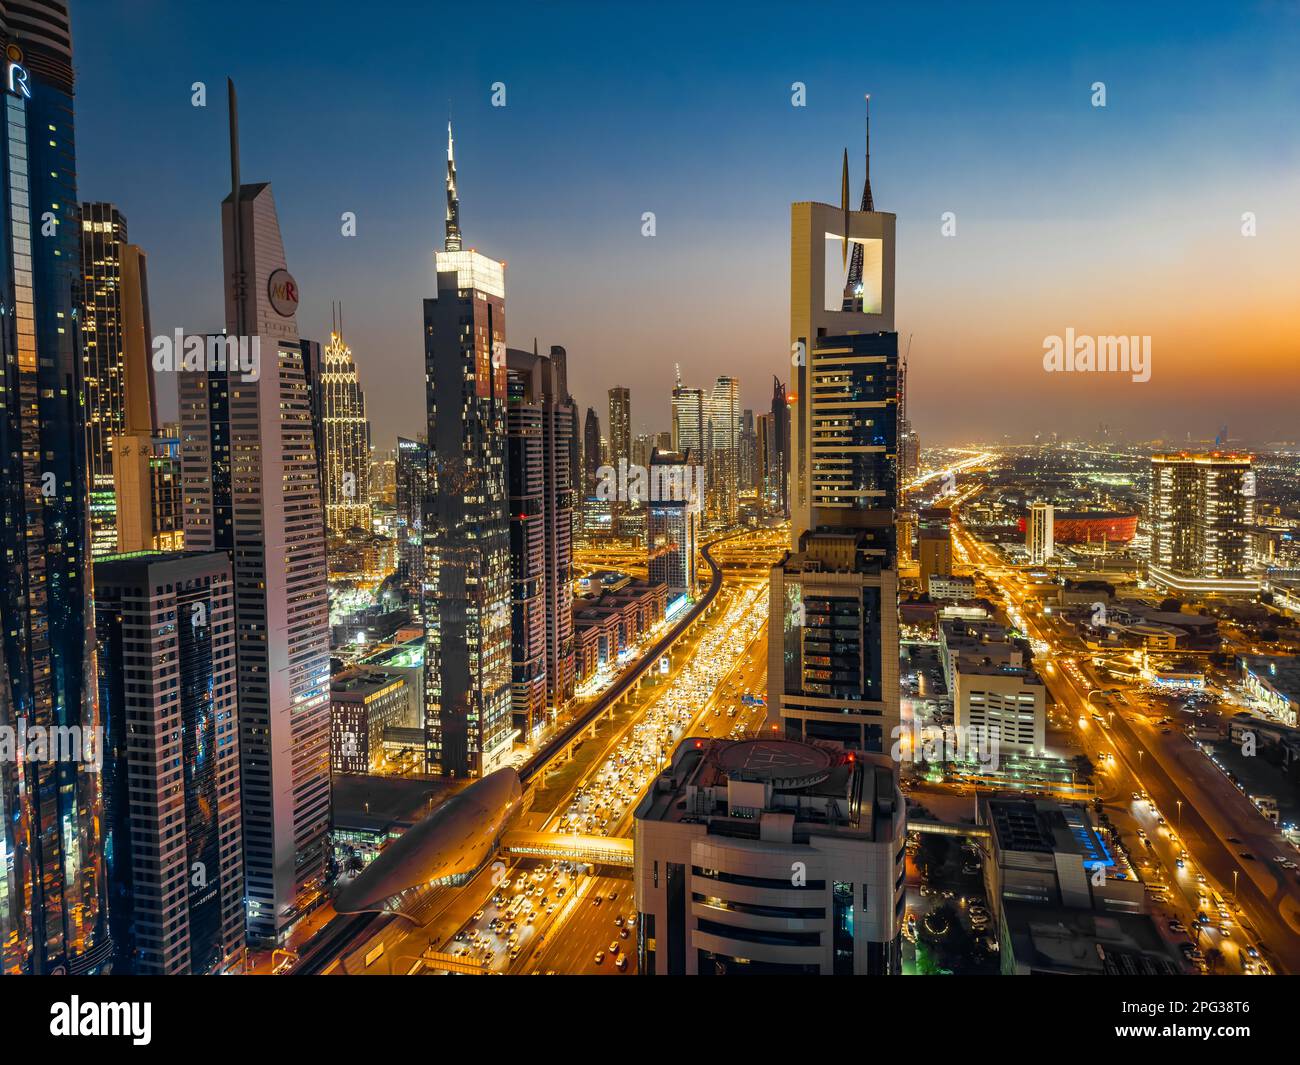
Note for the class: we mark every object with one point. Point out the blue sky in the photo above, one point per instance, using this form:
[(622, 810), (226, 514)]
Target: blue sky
[(1122, 219)]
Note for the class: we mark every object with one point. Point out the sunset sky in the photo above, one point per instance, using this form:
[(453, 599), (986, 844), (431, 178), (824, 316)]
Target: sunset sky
[(1118, 220)]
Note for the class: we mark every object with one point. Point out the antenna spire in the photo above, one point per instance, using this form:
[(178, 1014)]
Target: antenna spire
[(453, 200), (853, 283)]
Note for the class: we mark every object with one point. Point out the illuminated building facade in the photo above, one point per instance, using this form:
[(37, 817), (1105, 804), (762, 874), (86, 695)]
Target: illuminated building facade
[(165, 624), (673, 521), (721, 451), (688, 418), (833, 606), (112, 289), (540, 425), (1039, 537), (933, 544), (715, 844), (1201, 515), (347, 439), (251, 488), (52, 879), (466, 595), (411, 475)]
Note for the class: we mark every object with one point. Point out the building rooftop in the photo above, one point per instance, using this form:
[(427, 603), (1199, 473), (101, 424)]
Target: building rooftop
[(1280, 672), (1057, 939), (775, 789), (364, 681)]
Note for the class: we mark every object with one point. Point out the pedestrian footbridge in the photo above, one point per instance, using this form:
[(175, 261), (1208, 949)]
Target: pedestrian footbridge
[(568, 846)]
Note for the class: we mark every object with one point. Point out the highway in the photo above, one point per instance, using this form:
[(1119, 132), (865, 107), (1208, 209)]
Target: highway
[(450, 917), (1215, 824)]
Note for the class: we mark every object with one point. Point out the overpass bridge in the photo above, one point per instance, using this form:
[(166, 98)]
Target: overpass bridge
[(569, 846), (943, 828)]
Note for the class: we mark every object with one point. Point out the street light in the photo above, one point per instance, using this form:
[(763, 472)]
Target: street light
[(1179, 804)]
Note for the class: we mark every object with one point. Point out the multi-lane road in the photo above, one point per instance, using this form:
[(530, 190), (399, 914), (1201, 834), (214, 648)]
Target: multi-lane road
[(530, 916), (1210, 819)]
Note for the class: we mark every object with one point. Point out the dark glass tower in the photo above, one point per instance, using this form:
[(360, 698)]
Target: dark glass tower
[(466, 594), (52, 886)]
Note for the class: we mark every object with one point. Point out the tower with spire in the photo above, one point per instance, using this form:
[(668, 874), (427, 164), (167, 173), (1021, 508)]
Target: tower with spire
[(466, 591)]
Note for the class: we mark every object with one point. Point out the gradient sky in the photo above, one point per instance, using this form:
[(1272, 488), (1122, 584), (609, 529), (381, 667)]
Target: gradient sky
[(1122, 220)]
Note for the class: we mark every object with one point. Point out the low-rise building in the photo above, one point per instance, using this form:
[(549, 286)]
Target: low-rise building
[(995, 691), (1275, 681), (770, 856), (363, 702)]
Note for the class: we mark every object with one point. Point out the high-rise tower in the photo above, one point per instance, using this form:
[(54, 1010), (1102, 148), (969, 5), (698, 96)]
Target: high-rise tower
[(466, 531), (168, 696), (541, 419), (1201, 513), (833, 650), (347, 438), (52, 883), (251, 483)]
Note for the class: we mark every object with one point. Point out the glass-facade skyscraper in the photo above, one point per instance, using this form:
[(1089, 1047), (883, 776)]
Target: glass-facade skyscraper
[(52, 883), (466, 593)]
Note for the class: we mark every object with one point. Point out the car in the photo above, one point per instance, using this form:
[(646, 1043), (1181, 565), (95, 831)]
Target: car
[(620, 962), (600, 956), (478, 915), (1247, 855), (596, 900), (612, 896), (618, 921), (514, 953), (623, 933), (1233, 839)]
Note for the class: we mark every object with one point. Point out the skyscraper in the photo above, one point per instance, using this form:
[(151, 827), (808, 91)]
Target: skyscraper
[(833, 650), (673, 521), (165, 625), (688, 418), (780, 449), (411, 474), (722, 450), (52, 882), (347, 438), (620, 425), (146, 472), (251, 483), (112, 291), (590, 452), (466, 522), (1202, 513), (541, 419), (1039, 539), (748, 464)]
